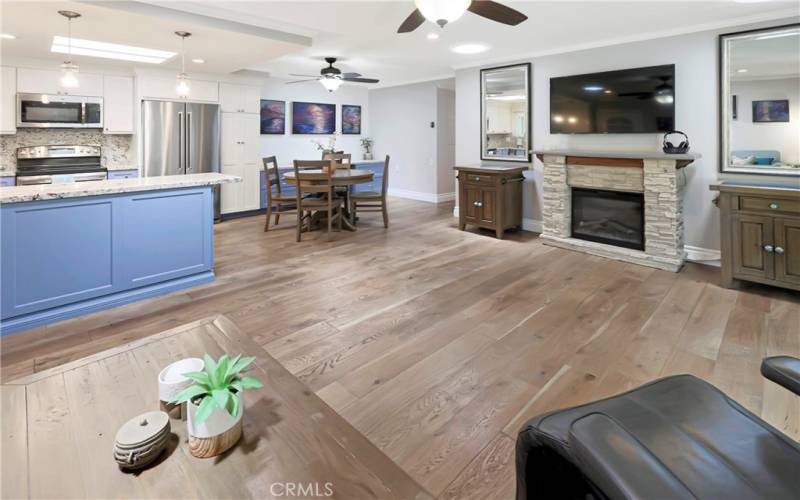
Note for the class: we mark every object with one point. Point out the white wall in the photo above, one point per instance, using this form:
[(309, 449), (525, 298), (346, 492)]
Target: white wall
[(401, 126), (695, 59), (291, 147), (779, 136)]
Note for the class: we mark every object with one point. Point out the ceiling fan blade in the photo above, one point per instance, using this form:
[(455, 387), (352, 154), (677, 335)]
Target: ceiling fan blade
[(301, 81), (351, 75), (361, 80), (412, 22), (304, 76), (497, 12)]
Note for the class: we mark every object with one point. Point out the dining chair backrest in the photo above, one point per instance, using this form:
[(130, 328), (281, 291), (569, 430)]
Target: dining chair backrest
[(316, 181), (385, 180), (331, 152), (271, 174), (342, 159)]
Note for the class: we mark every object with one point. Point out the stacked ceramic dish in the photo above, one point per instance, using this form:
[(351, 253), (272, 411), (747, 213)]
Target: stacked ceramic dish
[(141, 439)]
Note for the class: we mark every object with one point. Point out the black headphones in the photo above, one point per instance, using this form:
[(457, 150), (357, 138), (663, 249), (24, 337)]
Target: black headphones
[(669, 148)]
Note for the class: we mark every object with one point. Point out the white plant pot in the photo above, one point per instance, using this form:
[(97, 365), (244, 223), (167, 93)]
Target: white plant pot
[(171, 380), (216, 434)]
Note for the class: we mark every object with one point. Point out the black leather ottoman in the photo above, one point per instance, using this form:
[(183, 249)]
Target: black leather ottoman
[(677, 437)]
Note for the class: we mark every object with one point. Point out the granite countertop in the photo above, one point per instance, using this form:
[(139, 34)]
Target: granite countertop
[(656, 155), (19, 194)]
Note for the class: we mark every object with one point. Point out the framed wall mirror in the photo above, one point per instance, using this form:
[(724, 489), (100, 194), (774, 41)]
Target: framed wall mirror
[(759, 92), (505, 113)]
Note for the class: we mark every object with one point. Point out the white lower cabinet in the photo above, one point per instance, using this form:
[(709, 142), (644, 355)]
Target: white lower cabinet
[(241, 157)]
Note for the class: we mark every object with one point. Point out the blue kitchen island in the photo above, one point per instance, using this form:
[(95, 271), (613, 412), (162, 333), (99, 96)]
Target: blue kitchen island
[(72, 249)]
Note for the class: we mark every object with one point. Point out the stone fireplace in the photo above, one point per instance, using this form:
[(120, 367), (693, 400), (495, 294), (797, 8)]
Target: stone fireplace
[(629, 205)]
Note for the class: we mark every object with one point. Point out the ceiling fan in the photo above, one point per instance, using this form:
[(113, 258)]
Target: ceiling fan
[(332, 78), (442, 12)]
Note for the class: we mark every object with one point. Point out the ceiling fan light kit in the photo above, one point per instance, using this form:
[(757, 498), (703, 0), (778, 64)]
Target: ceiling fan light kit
[(442, 12), (331, 83), (332, 77)]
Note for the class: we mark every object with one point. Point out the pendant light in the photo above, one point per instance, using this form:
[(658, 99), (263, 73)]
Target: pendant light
[(182, 84), (69, 70)]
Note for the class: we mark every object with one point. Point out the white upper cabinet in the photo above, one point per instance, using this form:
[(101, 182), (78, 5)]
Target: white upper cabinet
[(164, 88), (8, 100), (239, 98), (118, 104), (46, 81)]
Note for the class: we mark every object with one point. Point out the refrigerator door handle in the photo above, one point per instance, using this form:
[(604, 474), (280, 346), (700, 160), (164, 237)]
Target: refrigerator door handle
[(181, 143), (188, 141)]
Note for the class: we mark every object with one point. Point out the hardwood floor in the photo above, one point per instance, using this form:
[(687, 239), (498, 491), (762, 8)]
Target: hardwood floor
[(438, 344)]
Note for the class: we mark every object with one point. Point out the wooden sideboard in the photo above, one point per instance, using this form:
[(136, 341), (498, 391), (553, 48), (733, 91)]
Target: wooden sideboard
[(760, 228), (490, 197)]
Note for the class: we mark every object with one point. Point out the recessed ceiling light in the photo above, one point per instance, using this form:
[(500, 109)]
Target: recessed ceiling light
[(109, 50), (743, 70), (470, 48), (7, 36), (572, 119), (592, 88), (558, 118), (433, 36), (198, 60), (606, 91)]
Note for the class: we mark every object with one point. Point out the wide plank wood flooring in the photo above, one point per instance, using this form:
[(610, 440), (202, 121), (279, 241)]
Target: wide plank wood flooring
[(438, 344)]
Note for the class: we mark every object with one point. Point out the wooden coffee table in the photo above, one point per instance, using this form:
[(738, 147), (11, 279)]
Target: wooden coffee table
[(58, 428)]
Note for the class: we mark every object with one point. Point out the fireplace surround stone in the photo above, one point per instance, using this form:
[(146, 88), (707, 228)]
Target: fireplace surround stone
[(656, 175)]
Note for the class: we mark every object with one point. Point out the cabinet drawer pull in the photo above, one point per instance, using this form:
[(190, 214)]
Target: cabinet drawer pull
[(477, 203), (769, 249), (779, 250), (477, 179), (773, 206)]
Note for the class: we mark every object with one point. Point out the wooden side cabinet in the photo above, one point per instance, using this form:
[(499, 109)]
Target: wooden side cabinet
[(760, 229), (490, 197)]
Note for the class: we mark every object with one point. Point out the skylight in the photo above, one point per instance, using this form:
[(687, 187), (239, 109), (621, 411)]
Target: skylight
[(109, 50)]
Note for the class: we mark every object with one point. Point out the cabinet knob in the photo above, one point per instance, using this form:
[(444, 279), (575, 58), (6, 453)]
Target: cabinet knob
[(477, 179), (779, 250), (477, 203), (769, 249), (773, 206)]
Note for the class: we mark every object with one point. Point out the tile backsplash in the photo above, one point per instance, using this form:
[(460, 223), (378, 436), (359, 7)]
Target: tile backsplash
[(118, 150)]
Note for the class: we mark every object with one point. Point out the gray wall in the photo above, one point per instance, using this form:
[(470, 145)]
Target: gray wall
[(401, 126), (695, 59)]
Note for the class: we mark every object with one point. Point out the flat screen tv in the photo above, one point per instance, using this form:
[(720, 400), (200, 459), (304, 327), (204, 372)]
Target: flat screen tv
[(629, 101)]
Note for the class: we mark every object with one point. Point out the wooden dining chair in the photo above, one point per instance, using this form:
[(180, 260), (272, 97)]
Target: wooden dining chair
[(372, 201), (343, 160), (283, 203), (318, 183)]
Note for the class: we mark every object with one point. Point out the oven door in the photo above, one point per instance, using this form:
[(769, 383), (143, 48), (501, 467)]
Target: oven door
[(58, 111)]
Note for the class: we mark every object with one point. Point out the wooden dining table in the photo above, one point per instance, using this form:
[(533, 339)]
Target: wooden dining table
[(341, 177)]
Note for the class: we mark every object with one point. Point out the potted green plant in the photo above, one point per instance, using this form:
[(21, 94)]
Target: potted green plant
[(214, 404), (366, 145)]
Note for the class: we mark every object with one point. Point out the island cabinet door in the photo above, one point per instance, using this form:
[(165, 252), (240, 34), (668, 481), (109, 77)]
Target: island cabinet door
[(472, 202), (57, 252), (167, 234)]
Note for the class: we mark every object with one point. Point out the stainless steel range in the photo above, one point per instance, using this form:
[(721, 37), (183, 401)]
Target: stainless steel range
[(57, 164)]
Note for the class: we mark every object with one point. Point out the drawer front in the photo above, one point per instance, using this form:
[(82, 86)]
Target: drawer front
[(479, 179), (122, 174), (756, 203)]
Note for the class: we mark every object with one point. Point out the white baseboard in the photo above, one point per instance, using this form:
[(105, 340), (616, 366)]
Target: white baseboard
[(420, 196), (532, 225), (707, 256)]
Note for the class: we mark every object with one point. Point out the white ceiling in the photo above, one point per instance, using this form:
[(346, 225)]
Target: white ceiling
[(363, 33)]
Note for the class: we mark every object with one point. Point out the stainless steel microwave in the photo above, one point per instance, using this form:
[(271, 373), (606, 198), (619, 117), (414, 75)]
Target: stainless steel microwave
[(59, 111)]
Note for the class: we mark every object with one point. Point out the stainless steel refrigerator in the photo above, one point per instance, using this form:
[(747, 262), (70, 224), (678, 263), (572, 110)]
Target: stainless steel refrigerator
[(181, 138)]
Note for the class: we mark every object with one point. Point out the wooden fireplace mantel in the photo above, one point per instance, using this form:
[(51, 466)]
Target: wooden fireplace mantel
[(617, 159)]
